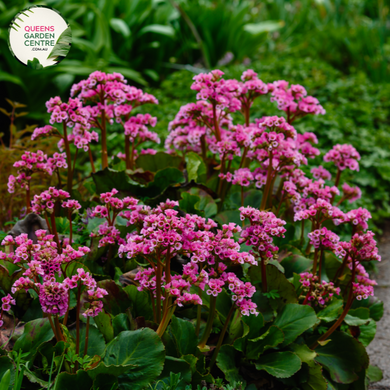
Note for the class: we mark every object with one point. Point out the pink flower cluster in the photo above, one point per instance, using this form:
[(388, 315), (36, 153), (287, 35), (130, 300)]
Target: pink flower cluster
[(343, 156), (324, 238), (210, 251), (316, 292), (6, 301), (45, 202), (294, 100), (259, 235), (351, 193), (136, 128), (321, 173), (30, 163), (242, 177)]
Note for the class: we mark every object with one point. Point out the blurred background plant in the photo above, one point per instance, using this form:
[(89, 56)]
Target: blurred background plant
[(338, 49)]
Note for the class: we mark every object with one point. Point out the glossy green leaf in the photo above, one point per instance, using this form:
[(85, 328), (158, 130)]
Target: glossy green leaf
[(35, 333), (183, 334), (276, 280), (5, 380), (62, 45), (294, 319), (227, 361), (117, 301), (332, 311), (373, 304), (367, 332), (356, 317), (158, 161), (80, 380), (96, 343), (142, 351), (196, 168), (263, 27), (176, 366), (120, 26), (344, 357), (104, 323), (140, 302), (279, 364), (374, 373), (270, 339)]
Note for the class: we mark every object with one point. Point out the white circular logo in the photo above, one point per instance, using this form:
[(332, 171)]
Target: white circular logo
[(39, 36)]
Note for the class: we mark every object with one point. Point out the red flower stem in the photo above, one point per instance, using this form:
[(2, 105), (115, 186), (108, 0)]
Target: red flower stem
[(209, 324), (54, 230), (70, 226), (59, 178), (58, 327), (344, 313), (104, 141), (216, 124), (86, 337), (264, 276), (166, 319), (153, 306), (158, 290), (315, 261), (340, 271), (28, 201), (198, 313), (336, 183), (68, 159), (78, 323), (53, 328), (268, 184), (91, 159), (127, 151), (221, 337), (64, 322), (320, 264)]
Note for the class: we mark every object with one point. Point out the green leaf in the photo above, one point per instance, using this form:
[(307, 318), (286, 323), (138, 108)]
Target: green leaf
[(158, 161), (226, 361), (270, 339), (344, 357), (263, 27), (8, 275), (373, 304), (251, 329), (315, 379), (176, 366), (367, 332), (294, 319), (4, 76), (356, 317), (279, 364), (120, 26), (5, 380), (6, 365), (35, 333), (295, 263), (80, 380), (276, 280), (140, 302), (189, 203), (142, 350), (121, 323), (374, 373), (62, 45), (228, 216), (196, 168), (34, 64), (104, 323), (332, 311), (206, 204), (117, 301), (96, 344), (158, 29), (183, 334)]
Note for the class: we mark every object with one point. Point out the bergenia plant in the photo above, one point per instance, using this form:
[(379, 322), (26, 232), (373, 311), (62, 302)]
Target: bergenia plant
[(233, 256)]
